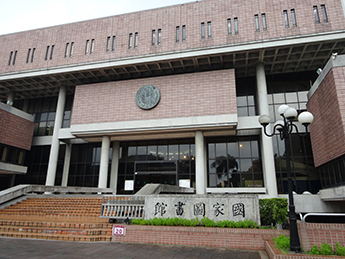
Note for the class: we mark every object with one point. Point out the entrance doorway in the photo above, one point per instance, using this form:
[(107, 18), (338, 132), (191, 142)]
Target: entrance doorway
[(164, 172)]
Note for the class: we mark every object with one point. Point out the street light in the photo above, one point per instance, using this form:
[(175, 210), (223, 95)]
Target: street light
[(285, 127)]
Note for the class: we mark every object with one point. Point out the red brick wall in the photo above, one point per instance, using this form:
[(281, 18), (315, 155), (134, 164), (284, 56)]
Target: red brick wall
[(15, 131), (200, 236), (328, 105), (318, 233), (166, 19), (195, 94)]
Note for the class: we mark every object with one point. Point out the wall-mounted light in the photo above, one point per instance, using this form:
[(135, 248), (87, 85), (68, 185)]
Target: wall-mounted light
[(319, 71)]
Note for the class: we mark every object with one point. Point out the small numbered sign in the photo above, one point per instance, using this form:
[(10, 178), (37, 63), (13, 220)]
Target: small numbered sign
[(119, 230)]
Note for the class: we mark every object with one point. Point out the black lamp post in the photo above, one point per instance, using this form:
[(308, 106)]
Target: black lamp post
[(285, 127)]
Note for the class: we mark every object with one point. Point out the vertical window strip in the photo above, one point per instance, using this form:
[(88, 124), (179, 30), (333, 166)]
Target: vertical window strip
[(87, 47), (153, 37), (257, 26), (108, 44), (286, 18), (264, 22), (10, 59), (113, 44), (28, 56), (47, 53), (130, 40), (136, 40), (184, 33), (236, 25), (14, 58), (92, 46), (209, 33), (316, 14), (177, 33), (71, 49), (33, 55), (293, 17), (229, 26), (51, 52), (324, 13), (203, 30), (66, 50), (159, 40)]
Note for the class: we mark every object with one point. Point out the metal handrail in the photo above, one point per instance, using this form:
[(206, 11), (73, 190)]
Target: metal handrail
[(320, 214)]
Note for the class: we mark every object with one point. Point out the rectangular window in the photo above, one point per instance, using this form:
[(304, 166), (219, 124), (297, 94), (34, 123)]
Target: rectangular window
[(108, 43), (293, 17), (14, 58), (153, 37), (113, 45), (316, 14), (229, 26), (10, 59), (28, 56), (72, 49), (183, 32), (159, 36), (257, 26), (51, 52), (203, 30), (130, 40), (47, 53), (177, 33), (33, 55), (66, 50), (324, 13), (135, 40), (209, 33), (286, 18), (92, 46), (236, 25), (87, 47), (264, 22)]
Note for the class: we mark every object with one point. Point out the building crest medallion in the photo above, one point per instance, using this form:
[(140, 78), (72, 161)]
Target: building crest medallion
[(147, 97)]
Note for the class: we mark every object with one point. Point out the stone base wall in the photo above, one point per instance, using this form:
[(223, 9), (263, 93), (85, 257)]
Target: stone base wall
[(311, 234), (253, 239)]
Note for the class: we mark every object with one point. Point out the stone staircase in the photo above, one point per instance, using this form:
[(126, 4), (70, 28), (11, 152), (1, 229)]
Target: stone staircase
[(56, 218)]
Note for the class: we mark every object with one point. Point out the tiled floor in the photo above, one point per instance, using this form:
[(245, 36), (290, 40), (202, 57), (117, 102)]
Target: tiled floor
[(29, 248)]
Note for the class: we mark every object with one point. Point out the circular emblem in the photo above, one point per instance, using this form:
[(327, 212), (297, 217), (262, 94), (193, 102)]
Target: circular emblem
[(148, 97)]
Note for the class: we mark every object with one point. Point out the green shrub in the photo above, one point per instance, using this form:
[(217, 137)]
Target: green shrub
[(283, 242), (326, 249), (314, 250), (340, 250), (208, 222), (273, 210)]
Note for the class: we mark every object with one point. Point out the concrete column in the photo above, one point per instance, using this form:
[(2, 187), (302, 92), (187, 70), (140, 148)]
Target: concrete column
[(266, 142), (12, 180), (200, 169), (114, 166), (103, 168), (10, 98), (66, 164), (54, 149)]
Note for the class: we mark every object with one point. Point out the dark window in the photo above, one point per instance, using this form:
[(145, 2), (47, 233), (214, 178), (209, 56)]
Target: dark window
[(229, 25), (264, 22), (324, 13), (293, 17), (316, 14), (14, 58), (136, 40), (51, 52), (113, 45), (183, 32), (28, 56), (203, 30), (286, 18), (209, 33), (177, 33), (66, 50), (87, 47), (47, 53), (33, 55), (130, 40), (153, 37), (108, 43), (92, 46), (159, 40), (10, 59), (72, 49), (257, 26), (236, 25)]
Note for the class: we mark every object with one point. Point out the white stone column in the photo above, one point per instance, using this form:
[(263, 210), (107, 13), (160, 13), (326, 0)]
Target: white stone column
[(66, 164), (114, 166), (200, 169), (266, 142), (54, 149), (103, 168)]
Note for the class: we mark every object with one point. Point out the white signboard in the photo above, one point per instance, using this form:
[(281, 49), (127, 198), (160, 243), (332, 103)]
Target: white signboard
[(184, 183), (119, 230), (129, 185)]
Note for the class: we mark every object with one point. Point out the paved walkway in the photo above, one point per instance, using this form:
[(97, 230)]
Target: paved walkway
[(30, 248)]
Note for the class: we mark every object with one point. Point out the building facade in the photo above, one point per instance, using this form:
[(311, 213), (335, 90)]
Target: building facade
[(173, 95)]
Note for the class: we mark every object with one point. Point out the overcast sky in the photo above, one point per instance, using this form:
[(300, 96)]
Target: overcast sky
[(22, 15)]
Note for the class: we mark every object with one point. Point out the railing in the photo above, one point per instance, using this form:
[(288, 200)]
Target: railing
[(20, 190), (123, 207), (303, 218)]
